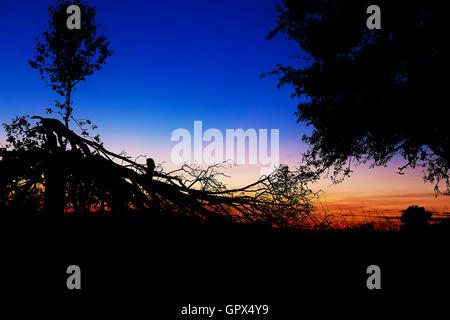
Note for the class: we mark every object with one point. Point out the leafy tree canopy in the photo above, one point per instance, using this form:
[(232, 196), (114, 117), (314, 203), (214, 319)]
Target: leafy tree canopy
[(65, 57), (371, 94)]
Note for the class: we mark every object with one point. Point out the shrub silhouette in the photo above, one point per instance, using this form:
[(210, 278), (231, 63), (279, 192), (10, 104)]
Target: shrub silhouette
[(415, 217)]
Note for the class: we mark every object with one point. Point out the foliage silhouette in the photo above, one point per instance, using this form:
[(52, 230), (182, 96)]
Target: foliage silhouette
[(65, 57), (415, 217), (370, 94)]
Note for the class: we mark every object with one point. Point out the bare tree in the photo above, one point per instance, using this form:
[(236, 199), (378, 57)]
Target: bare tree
[(99, 180)]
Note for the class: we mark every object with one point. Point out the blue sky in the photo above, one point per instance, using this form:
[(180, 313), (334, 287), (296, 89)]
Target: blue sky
[(172, 64)]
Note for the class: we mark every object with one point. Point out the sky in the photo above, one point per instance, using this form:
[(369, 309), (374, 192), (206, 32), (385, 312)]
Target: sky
[(176, 62)]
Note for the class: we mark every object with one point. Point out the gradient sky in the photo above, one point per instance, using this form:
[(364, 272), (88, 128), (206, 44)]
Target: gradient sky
[(179, 61)]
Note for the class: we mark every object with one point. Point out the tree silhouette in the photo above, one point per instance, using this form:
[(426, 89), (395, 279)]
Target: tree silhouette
[(65, 57), (370, 94)]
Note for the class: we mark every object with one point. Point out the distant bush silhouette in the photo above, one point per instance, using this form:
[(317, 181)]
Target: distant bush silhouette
[(415, 217)]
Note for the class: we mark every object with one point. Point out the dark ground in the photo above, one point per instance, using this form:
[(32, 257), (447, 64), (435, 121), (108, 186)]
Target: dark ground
[(151, 267)]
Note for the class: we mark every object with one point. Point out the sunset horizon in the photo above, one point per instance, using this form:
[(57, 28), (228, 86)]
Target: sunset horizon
[(132, 101)]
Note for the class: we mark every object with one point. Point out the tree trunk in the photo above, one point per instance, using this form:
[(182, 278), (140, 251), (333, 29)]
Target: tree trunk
[(54, 186)]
